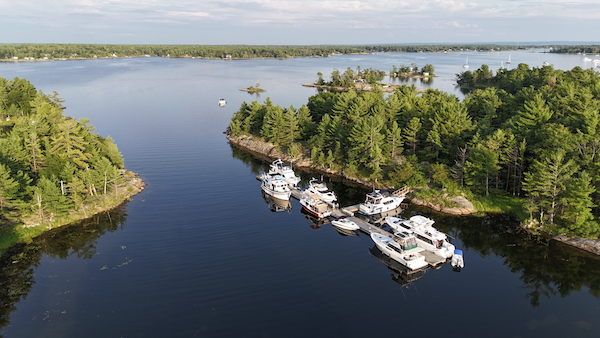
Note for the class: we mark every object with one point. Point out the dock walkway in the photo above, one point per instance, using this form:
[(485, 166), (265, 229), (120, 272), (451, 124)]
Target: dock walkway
[(365, 226)]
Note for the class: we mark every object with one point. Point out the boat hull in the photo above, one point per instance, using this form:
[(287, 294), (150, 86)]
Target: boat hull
[(410, 258)]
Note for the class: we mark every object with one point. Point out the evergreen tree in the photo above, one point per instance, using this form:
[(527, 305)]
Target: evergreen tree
[(578, 218)]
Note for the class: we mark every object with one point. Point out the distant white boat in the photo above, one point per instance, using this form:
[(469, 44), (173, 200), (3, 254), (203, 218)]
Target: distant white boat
[(222, 102), (508, 59), (545, 63), (586, 59), (466, 65)]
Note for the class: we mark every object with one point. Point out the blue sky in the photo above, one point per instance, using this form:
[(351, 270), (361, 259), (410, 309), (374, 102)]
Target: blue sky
[(296, 22)]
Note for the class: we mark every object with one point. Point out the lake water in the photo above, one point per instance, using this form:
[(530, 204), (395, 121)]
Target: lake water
[(200, 252)]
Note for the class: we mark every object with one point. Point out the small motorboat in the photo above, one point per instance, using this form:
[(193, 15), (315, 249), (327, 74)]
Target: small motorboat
[(278, 167), (345, 223), (222, 102), (315, 207), (320, 190), (275, 186), (402, 247), (457, 260)]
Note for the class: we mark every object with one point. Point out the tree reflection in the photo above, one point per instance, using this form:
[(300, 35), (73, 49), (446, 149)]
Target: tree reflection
[(546, 267), (19, 262)]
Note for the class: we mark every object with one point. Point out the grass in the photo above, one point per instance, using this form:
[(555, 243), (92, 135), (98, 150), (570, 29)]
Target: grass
[(500, 203)]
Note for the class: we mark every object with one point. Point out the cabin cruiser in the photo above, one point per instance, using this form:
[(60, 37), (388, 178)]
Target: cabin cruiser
[(278, 167), (275, 186), (315, 207), (427, 236), (402, 247), (345, 223), (379, 201), (320, 190), (222, 102)]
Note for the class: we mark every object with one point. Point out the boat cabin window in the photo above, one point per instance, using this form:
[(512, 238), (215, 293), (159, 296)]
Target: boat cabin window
[(393, 247), (425, 239)]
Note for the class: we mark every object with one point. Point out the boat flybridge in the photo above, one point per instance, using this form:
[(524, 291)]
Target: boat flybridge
[(276, 186), (427, 236), (278, 167), (320, 191), (402, 247), (379, 201)]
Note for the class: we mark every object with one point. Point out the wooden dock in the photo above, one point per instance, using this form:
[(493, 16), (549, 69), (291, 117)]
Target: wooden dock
[(367, 227)]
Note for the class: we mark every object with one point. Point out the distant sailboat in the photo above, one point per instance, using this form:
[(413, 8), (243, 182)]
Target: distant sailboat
[(466, 65), (508, 59)]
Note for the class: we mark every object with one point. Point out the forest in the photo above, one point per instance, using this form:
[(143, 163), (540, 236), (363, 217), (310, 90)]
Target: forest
[(50, 164), (88, 51), (527, 138)]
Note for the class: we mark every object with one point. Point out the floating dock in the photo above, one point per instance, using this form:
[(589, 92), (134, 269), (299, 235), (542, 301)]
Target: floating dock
[(367, 227)]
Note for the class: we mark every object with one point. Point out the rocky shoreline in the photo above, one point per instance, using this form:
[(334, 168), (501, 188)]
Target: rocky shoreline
[(363, 87), (270, 151)]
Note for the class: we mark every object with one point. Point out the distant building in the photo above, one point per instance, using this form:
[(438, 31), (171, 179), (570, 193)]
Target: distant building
[(15, 57), (228, 56)]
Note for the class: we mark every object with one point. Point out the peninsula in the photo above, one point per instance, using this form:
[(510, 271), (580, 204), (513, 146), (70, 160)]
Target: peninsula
[(53, 169), (521, 145)]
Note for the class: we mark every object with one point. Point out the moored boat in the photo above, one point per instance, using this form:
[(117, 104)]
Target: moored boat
[(278, 167), (427, 236), (315, 207), (319, 189), (222, 102), (402, 248), (345, 223), (276, 186), (457, 260), (379, 201)]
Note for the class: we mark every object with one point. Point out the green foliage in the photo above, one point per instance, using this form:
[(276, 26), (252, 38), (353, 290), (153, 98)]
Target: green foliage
[(525, 137), (44, 155)]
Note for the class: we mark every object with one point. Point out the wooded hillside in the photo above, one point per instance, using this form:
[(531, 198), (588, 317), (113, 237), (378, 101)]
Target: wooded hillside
[(531, 133)]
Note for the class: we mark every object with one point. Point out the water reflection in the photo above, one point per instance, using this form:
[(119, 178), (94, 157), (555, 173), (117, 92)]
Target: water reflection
[(19, 262), (400, 274), (546, 267), (276, 204), (314, 222)]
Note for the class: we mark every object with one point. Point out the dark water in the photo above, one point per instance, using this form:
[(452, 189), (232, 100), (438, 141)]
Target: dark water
[(201, 253)]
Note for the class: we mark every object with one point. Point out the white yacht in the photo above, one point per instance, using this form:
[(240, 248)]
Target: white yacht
[(222, 102), (402, 247), (278, 167), (508, 59), (276, 186), (466, 65), (379, 201), (586, 59), (320, 190), (315, 207), (427, 236)]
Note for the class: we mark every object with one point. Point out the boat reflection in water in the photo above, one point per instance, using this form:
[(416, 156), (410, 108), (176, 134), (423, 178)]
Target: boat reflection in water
[(276, 204), (313, 221), (400, 274), (344, 232)]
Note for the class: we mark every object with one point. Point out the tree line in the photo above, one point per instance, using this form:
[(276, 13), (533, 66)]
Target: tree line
[(532, 133), (66, 51), (49, 163)]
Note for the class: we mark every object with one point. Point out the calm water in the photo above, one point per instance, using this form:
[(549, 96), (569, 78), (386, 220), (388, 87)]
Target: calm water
[(201, 253)]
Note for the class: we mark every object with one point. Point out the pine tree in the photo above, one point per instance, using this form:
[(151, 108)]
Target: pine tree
[(578, 218)]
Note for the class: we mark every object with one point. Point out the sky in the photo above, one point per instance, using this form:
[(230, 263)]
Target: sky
[(297, 22)]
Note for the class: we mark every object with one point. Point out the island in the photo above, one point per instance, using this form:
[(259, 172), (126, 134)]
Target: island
[(522, 143), (54, 169)]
